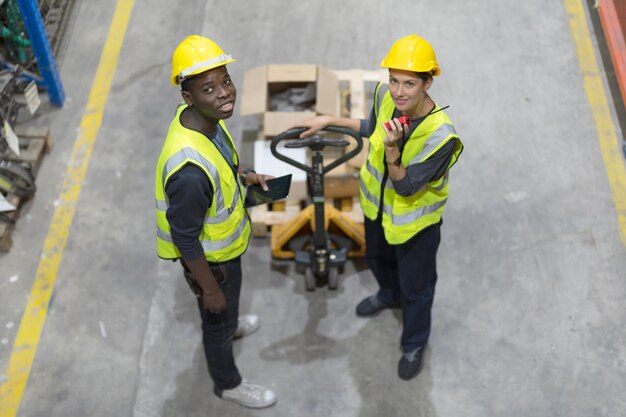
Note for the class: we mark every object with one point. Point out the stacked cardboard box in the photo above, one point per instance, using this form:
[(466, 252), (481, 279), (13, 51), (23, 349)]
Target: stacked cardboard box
[(284, 95), (263, 85)]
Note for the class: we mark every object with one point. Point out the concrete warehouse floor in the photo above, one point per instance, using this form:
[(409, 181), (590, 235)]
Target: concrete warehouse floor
[(529, 313)]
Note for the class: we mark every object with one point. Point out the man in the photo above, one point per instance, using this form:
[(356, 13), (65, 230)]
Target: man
[(201, 219)]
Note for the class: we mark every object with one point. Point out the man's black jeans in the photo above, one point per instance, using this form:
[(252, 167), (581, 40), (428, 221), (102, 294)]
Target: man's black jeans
[(218, 329)]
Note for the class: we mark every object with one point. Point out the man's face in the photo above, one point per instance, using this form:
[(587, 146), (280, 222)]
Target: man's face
[(212, 94)]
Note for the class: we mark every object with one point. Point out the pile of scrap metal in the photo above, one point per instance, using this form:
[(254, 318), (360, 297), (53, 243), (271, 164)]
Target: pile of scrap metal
[(15, 178)]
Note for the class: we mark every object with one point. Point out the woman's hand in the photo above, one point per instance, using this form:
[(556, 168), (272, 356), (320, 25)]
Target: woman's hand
[(254, 178), (315, 124), (395, 131)]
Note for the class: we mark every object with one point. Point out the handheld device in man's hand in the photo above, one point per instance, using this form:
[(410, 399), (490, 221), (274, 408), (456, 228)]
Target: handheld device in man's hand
[(278, 189), (404, 120)]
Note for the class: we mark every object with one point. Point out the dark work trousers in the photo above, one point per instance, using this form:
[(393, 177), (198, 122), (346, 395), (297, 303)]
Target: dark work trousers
[(406, 274), (218, 329)]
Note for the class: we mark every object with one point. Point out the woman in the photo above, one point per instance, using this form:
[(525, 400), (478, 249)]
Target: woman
[(404, 188)]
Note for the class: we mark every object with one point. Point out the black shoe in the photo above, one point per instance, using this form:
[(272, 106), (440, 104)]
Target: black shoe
[(370, 306), (410, 364)]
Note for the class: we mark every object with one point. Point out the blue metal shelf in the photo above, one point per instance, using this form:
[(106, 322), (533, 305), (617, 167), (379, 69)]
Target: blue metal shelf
[(43, 52)]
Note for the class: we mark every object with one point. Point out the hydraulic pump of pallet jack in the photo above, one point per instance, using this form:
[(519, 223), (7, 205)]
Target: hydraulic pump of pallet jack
[(404, 120)]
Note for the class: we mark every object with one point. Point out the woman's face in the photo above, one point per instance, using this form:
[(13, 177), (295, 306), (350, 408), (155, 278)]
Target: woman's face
[(408, 91)]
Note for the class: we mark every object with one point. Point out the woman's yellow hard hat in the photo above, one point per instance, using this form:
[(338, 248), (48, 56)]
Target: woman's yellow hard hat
[(194, 55), (412, 53)]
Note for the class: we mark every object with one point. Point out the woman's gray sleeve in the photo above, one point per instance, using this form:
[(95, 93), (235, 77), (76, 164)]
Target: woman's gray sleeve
[(418, 175), (368, 125)]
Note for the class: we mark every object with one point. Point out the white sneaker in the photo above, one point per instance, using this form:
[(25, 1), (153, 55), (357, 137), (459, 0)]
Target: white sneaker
[(250, 395), (248, 323)]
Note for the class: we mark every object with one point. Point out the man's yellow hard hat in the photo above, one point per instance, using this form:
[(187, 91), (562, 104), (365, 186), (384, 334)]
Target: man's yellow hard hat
[(412, 53), (194, 55)]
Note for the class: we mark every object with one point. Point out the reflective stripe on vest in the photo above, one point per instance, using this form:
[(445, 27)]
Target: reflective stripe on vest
[(434, 142), (190, 153), (208, 245), (402, 219)]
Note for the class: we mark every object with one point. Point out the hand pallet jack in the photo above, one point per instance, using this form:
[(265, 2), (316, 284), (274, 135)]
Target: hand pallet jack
[(334, 235)]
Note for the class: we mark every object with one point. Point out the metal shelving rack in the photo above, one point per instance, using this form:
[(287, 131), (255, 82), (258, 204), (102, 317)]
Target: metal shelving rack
[(44, 22)]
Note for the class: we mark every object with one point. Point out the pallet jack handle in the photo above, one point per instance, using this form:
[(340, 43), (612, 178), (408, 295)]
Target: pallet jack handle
[(316, 142)]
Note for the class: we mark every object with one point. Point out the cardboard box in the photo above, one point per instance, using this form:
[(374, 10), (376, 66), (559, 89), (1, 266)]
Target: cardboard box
[(340, 182), (311, 89), (342, 185), (266, 163)]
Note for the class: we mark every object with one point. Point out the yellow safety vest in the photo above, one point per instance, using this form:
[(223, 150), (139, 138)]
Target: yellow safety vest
[(404, 217), (226, 231)]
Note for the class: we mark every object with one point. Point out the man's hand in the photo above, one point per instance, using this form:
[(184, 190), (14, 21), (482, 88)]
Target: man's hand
[(208, 281), (261, 179), (214, 301)]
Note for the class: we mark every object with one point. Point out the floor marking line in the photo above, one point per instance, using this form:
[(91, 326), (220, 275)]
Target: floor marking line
[(28, 335)]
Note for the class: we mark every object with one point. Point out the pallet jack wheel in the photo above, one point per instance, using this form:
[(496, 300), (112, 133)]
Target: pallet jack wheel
[(333, 278), (309, 279)]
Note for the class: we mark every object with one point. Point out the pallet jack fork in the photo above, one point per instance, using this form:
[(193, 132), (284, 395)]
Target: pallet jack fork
[(321, 237)]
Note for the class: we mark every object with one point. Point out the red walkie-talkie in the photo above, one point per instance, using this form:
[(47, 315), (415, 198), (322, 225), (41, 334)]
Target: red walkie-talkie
[(404, 120)]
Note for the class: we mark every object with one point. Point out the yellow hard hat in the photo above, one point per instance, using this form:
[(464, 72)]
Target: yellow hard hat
[(194, 55), (412, 53)]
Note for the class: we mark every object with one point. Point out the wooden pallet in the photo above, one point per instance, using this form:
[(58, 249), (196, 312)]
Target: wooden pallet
[(34, 142), (266, 216), (285, 220), (355, 104), (356, 101), (336, 222)]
